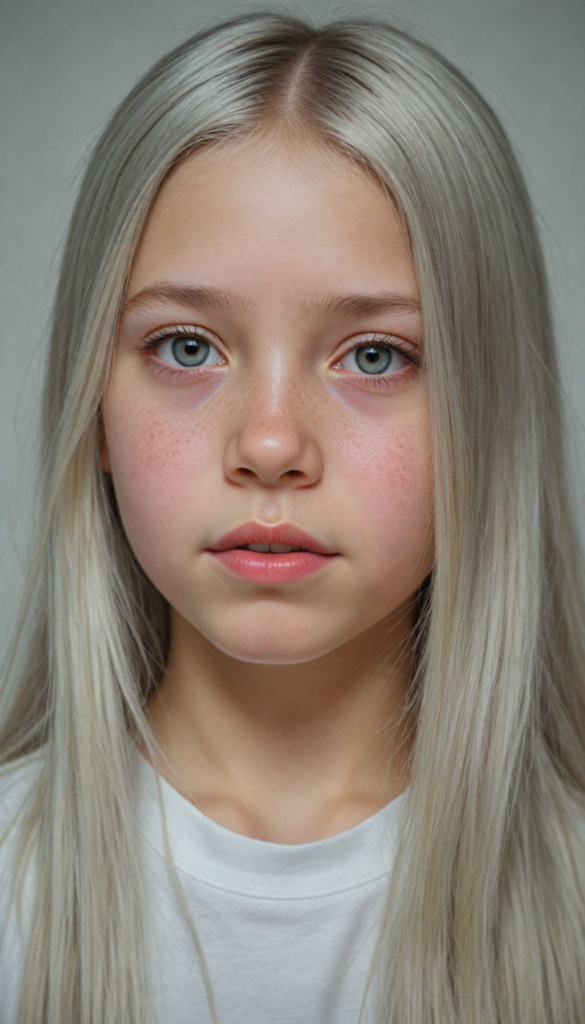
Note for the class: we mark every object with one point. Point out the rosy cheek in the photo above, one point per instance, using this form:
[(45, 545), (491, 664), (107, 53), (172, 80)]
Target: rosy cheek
[(387, 447), (147, 425), (399, 474), (389, 473), (159, 462)]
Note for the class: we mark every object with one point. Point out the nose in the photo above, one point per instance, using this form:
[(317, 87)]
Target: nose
[(273, 444)]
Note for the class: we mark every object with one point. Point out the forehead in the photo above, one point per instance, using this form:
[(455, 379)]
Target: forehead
[(266, 214)]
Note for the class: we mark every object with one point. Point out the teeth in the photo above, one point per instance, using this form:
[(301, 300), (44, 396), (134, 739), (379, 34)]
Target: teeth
[(275, 549)]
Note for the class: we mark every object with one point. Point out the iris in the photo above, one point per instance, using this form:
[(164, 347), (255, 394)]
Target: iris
[(374, 359), (190, 351)]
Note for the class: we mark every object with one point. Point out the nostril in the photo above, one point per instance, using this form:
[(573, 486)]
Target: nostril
[(270, 462)]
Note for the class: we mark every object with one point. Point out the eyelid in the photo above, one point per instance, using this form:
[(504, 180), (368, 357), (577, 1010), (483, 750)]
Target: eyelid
[(173, 330), (406, 348)]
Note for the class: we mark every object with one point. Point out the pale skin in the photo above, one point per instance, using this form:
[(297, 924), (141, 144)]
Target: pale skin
[(276, 712)]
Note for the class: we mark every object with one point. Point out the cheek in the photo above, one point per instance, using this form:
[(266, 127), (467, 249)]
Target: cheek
[(389, 473), (395, 476), (160, 464)]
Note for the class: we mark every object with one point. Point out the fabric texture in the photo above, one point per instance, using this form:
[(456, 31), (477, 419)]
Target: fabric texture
[(287, 931)]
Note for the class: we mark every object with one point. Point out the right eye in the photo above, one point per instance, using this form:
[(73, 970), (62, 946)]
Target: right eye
[(187, 351)]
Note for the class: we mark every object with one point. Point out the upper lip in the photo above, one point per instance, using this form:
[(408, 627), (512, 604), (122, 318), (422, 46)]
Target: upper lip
[(262, 533)]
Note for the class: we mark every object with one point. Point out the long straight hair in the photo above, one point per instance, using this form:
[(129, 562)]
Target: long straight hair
[(485, 919)]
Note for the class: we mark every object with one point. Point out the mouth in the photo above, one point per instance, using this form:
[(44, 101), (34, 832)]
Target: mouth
[(274, 549), (261, 553)]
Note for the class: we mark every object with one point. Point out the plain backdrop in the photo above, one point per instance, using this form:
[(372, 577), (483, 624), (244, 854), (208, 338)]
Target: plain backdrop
[(65, 64)]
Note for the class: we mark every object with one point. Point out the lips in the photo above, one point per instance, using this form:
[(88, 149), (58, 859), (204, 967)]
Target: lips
[(260, 533), (276, 561)]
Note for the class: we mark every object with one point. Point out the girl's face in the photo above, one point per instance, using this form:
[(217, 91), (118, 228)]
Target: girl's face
[(267, 381)]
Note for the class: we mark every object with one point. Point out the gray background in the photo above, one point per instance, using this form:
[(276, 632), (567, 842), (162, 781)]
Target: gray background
[(64, 64)]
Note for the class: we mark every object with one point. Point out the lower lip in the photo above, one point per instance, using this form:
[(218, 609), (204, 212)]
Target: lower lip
[(258, 567)]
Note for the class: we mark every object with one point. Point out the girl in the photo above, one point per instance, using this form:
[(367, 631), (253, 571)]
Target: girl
[(295, 724)]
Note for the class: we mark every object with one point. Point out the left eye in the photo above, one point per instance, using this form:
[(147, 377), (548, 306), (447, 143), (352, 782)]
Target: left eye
[(374, 360), (188, 351)]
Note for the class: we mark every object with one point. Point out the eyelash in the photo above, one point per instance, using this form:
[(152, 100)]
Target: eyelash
[(164, 369), (379, 340), (382, 341)]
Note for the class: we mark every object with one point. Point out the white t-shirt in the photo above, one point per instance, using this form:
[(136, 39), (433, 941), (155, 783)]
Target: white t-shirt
[(287, 931)]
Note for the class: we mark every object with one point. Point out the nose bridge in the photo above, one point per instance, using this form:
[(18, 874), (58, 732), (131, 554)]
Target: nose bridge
[(275, 393), (274, 440)]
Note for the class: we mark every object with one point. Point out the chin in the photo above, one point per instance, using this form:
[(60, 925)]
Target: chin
[(266, 649)]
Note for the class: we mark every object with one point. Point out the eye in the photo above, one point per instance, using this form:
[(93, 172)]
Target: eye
[(187, 351), (374, 359)]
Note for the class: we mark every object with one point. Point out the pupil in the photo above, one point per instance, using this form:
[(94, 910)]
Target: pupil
[(374, 359), (190, 351)]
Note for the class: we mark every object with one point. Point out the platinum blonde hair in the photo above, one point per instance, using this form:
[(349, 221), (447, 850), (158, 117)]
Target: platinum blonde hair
[(485, 920)]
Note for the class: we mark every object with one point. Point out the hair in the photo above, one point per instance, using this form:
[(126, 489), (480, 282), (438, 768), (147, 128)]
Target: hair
[(485, 919)]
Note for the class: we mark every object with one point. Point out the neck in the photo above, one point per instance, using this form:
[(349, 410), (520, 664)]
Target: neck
[(287, 753)]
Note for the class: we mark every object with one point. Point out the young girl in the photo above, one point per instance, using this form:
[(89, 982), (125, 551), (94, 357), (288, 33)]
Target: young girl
[(295, 724)]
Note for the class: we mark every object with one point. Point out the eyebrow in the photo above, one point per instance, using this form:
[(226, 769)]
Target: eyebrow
[(361, 305), (226, 301), (196, 297)]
